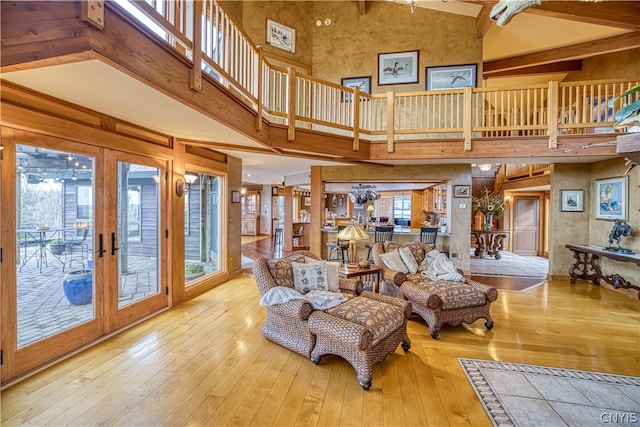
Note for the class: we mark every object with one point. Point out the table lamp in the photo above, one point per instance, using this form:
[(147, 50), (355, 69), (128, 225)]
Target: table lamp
[(352, 233)]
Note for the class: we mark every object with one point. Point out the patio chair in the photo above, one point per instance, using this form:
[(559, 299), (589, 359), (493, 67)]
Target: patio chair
[(74, 246)]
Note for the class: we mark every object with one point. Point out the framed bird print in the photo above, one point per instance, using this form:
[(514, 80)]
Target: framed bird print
[(451, 77), (398, 68)]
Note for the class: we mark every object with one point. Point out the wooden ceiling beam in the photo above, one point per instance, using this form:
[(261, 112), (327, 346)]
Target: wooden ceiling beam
[(554, 68), (618, 14), (362, 7), (566, 53), (483, 21)]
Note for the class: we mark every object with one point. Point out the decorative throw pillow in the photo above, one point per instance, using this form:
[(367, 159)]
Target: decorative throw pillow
[(310, 276), (393, 261), (281, 272), (408, 259), (441, 268), (333, 278)]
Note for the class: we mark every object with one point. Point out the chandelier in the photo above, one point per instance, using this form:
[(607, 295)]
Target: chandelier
[(361, 194)]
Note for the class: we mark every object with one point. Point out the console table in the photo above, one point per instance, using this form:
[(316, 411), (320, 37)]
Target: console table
[(585, 265), (489, 242)]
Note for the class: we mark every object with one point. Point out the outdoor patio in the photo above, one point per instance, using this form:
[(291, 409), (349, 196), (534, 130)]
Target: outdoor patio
[(43, 309)]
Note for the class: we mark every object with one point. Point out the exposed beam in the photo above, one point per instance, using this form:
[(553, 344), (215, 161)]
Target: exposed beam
[(362, 7), (483, 21), (619, 14), (553, 68), (566, 53)]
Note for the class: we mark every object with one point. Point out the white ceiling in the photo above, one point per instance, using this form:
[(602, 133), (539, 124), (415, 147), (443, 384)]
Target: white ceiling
[(129, 99)]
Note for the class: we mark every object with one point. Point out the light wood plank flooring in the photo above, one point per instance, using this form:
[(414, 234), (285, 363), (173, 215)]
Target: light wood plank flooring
[(205, 362)]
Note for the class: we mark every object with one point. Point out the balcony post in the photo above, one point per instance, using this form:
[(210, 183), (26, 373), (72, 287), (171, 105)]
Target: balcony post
[(467, 121), (291, 108), (260, 89), (195, 75), (390, 121), (356, 119), (552, 114)]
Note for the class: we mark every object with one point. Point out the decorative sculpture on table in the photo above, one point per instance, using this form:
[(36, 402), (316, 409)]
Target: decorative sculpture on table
[(620, 229)]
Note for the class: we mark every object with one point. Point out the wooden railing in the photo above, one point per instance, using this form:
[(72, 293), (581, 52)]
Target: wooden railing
[(209, 37)]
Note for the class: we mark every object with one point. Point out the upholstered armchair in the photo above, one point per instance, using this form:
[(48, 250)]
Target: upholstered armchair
[(438, 302), (287, 323), (364, 329)]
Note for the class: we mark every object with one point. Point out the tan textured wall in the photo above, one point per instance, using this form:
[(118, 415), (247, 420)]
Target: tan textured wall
[(460, 219), (349, 47), (293, 14), (235, 245), (599, 230), (617, 65), (582, 227)]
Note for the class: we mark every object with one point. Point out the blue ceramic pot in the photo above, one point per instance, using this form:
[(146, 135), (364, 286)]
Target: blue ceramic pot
[(78, 287)]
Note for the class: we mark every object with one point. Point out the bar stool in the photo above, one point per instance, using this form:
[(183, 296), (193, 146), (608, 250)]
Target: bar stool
[(381, 234), (340, 246), (277, 237)]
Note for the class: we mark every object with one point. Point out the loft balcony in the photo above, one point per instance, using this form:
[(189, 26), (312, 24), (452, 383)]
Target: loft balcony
[(201, 58)]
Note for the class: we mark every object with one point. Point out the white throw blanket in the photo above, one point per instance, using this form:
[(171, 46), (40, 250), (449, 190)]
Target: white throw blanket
[(320, 300), (440, 268)]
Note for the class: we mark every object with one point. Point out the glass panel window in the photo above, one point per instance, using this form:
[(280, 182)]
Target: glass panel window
[(138, 237), (54, 215), (202, 226)]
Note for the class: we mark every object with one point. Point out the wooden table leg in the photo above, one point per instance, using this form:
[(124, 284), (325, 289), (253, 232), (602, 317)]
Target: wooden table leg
[(585, 266)]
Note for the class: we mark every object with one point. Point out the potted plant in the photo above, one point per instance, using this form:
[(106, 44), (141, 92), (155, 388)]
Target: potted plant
[(193, 271), (57, 246)]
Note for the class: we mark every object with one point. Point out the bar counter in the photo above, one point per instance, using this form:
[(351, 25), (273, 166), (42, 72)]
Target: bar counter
[(400, 235)]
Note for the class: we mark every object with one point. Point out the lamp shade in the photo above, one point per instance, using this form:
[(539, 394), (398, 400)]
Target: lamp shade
[(352, 232)]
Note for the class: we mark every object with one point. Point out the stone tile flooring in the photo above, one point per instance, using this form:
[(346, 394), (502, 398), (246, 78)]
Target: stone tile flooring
[(43, 309)]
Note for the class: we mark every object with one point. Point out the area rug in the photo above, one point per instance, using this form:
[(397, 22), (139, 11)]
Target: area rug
[(527, 395), (509, 265)]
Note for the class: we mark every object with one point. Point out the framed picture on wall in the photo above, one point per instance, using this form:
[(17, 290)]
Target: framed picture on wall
[(362, 83), (398, 68), (281, 36), (235, 196), (571, 200), (307, 201), (451, 77), (611, 198), (461, 190)]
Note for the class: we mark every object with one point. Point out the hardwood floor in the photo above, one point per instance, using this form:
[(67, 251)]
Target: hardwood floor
[(205, 362)]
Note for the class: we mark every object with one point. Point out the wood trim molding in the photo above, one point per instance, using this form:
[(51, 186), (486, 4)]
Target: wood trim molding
[(566, 53)]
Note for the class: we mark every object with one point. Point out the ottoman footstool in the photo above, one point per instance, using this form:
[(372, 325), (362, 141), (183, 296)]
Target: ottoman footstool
[(363, 331), (450, 303)]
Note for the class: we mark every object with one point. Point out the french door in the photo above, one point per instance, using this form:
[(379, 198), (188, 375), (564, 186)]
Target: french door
[(84, 253)]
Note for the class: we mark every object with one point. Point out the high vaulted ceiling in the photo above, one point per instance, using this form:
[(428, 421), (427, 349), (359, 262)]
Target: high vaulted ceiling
[(540, 44)]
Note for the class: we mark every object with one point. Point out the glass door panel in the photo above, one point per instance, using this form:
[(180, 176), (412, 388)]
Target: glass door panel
[(202, 226), (54, 241), (137, 240)]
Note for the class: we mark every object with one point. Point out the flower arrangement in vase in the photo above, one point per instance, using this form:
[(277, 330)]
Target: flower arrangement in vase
[(491, 206)]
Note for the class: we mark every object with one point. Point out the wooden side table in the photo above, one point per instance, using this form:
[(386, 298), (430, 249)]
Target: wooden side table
[(371, 275)]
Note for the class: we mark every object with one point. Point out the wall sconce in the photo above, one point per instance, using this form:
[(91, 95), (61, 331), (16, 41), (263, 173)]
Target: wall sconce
[(507, 198), (190, 178), (179, 187)]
